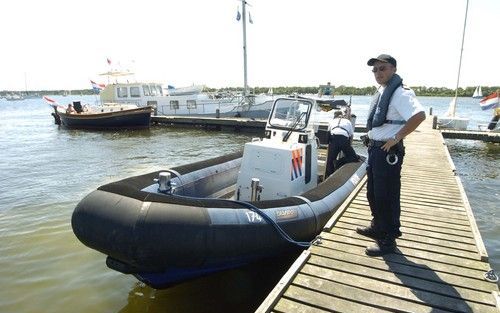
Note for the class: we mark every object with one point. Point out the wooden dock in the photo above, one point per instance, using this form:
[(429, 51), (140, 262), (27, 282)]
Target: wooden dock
[(440, 261), (471, 135)]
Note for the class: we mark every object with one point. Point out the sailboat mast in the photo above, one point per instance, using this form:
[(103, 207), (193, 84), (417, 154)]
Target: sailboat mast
[(461, 49), (25, 84), (245, 81)]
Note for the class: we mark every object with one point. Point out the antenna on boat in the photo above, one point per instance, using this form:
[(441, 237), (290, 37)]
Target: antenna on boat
[(245, 79)]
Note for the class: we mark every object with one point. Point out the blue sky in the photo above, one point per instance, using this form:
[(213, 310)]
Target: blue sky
[(63, 44)]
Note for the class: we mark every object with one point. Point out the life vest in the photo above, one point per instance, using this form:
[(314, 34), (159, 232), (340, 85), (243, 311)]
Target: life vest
[(378, 109)]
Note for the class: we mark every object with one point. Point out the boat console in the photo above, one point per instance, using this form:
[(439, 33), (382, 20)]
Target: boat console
[(284, 162)]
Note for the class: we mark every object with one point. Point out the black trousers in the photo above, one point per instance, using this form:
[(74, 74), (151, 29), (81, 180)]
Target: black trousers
[(384, 188), (336, 144)]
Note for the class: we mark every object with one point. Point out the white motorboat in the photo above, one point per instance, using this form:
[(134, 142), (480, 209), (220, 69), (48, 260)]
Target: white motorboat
[(187, 101)]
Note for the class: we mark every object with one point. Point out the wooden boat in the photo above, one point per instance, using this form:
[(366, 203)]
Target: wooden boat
[(107, 116), (168, 226)]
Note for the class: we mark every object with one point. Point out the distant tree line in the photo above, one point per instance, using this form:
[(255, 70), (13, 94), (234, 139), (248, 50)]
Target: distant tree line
[(361, 91), (338, 90)]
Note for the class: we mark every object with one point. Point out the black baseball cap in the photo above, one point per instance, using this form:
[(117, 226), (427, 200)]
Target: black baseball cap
[(383, 58)]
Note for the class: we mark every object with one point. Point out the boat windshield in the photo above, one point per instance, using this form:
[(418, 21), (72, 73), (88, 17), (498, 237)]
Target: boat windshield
[(290, 114)]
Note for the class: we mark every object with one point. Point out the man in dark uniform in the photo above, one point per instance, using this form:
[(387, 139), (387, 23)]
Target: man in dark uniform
[(395, 112), (340, 137)]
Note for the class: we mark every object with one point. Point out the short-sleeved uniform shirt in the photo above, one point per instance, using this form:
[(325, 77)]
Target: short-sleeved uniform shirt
[(341, 126), (404, 104)]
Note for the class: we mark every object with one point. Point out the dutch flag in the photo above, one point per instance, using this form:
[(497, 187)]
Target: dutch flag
[(490, 102), (96, 86)]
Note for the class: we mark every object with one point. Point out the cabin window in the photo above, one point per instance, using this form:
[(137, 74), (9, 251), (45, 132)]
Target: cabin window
[(191, 104), (160, 90), (153, 90), (122, 92), (174, 104), (146, 90), (135, 92)]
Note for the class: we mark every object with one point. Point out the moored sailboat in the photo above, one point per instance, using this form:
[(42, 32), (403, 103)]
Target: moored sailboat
[(478, 93), (450, 120)]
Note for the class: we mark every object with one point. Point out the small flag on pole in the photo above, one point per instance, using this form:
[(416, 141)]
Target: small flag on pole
[(250, 18), (97, 87), (49, 100), (490, 102), (109, 61), (238, 14), (53, 103)]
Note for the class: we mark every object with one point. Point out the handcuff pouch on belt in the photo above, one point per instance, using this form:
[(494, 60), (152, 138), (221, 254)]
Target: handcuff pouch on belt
[(392, 157)]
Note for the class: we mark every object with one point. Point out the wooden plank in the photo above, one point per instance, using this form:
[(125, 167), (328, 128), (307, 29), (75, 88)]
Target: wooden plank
[(273, 297), (416, 232), (442, 250), (363, 220), (391, 275), (327, 301), (409, 250), (438, 217), (420, 270), (437, 204), (409, 220), (475, 231), (423, 212), (395, 295), (287, 305), (410, 260), (416, 239), (429, 209), (357, 295)]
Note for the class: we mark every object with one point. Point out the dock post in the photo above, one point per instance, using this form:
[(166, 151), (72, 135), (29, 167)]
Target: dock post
[(434, 122), (217, 113)]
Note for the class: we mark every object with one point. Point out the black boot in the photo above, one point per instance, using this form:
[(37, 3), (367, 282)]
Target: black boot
[(369, 231), (382, 246)]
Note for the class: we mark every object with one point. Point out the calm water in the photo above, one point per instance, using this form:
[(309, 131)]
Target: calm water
[(46, 170)]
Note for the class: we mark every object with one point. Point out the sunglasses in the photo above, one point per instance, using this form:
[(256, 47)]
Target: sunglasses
[(380, 68)]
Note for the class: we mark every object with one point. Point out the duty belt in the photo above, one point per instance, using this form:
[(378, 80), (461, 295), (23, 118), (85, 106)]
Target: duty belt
[(378, 143)]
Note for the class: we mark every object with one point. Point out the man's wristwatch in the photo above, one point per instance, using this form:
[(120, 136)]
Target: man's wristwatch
[(395, 137)]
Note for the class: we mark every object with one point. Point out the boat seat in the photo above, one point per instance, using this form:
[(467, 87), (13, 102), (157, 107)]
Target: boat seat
[(77, 105)]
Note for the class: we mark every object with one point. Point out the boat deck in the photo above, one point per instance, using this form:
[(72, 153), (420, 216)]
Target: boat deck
[(440, 261)]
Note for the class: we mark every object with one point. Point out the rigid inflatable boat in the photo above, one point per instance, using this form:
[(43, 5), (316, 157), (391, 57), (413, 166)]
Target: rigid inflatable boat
[(168, 226)]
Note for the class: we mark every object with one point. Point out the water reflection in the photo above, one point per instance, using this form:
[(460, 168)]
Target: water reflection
[(238, 290)]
